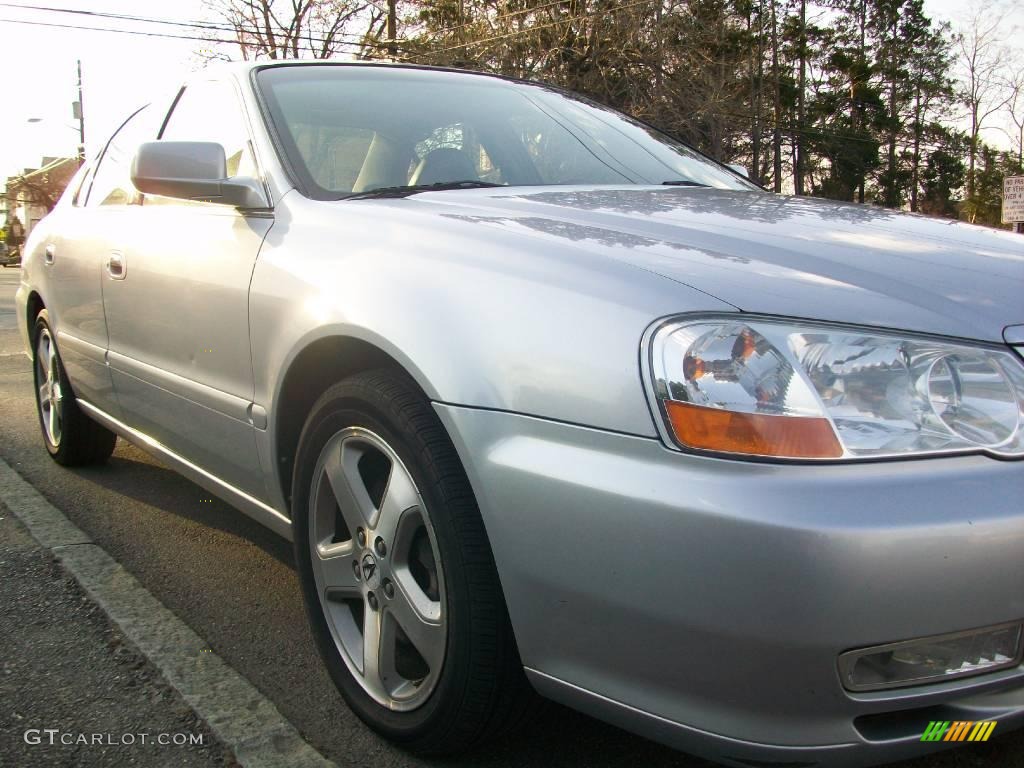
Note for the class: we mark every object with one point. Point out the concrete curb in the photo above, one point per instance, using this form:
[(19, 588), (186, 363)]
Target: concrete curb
[(242, 718)]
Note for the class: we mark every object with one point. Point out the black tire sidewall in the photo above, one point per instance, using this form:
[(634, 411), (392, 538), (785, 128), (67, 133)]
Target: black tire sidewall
[(348, 409), (82, 440)]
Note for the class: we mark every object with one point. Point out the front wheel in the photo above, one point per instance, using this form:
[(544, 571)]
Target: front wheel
[(71, 437), (397, 574)]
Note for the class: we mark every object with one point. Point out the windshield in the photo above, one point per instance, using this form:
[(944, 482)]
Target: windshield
[(349, 130)]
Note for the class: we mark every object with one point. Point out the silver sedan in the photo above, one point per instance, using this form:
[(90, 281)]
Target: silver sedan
[(550, 403)]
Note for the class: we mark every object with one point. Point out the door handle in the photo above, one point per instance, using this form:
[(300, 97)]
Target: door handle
[(115, 266), (51, 251)]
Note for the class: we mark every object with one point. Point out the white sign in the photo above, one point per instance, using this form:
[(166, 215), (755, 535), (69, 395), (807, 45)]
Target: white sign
[(1013, 199)]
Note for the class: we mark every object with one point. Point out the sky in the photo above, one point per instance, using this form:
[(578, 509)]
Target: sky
[(121, 72)]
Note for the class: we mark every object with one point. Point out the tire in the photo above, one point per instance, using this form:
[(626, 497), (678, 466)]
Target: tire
[(460, 682), (72, 438)]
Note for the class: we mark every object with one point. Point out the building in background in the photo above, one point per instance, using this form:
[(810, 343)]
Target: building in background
[(33, 194)]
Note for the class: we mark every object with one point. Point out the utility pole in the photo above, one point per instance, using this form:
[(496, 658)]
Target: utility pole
[(79, 114)]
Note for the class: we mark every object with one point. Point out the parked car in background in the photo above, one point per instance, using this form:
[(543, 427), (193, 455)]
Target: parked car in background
[(550, 403), (9, 257)]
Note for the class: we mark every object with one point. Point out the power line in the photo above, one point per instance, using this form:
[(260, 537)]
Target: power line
[(119, 31), (252, 29), (160, 34), (358, 40), (210, 26)]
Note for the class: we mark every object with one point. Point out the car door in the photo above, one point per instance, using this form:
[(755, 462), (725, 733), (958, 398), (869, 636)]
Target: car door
[(77, 246), (177, 308)]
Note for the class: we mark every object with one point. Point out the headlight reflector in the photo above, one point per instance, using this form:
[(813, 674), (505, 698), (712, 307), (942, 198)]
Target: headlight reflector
[(767, 388), (973, 399)]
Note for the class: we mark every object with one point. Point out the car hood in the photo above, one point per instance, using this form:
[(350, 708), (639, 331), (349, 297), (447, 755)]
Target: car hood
[(778, 255)]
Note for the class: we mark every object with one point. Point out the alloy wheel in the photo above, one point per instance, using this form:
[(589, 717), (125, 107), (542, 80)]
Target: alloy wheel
[(50, 395), (377, 569)]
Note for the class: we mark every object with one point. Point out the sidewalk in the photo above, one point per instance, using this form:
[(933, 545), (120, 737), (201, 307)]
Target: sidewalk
[(66, 667)]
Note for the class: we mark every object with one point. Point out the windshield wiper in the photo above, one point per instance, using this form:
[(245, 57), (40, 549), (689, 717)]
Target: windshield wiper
[(682, 183), (412, 189)]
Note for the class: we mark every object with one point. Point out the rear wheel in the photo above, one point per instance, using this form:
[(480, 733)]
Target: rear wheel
[(71, 437), (397, 573)]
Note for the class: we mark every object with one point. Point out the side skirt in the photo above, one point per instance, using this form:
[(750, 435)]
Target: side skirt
[(254, 508)]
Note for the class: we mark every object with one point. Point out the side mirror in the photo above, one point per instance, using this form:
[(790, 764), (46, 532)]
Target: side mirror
[(192, 170), (740, 169)]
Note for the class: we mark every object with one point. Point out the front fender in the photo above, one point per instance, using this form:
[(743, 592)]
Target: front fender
[(477, 318)]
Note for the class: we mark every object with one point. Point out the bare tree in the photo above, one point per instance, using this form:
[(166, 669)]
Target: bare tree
[(981, 43), (42, 187), (317, 29), (1015, 109)]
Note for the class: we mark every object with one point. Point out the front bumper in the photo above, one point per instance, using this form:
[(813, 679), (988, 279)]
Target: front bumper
[(704, 602)]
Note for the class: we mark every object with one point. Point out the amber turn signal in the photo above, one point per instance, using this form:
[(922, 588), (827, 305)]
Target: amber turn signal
[(753, 434)]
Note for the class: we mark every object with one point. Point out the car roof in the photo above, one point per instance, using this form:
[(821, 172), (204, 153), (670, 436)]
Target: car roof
[(242, 69)]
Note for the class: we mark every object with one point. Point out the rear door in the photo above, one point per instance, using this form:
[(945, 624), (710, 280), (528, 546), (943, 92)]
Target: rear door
[(77, 248), (178, 316)]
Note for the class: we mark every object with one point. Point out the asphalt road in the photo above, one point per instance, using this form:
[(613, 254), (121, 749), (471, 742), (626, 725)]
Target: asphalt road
[(233, 583)]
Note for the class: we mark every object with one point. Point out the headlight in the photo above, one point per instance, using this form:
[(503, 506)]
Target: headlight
[(798, 391)]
